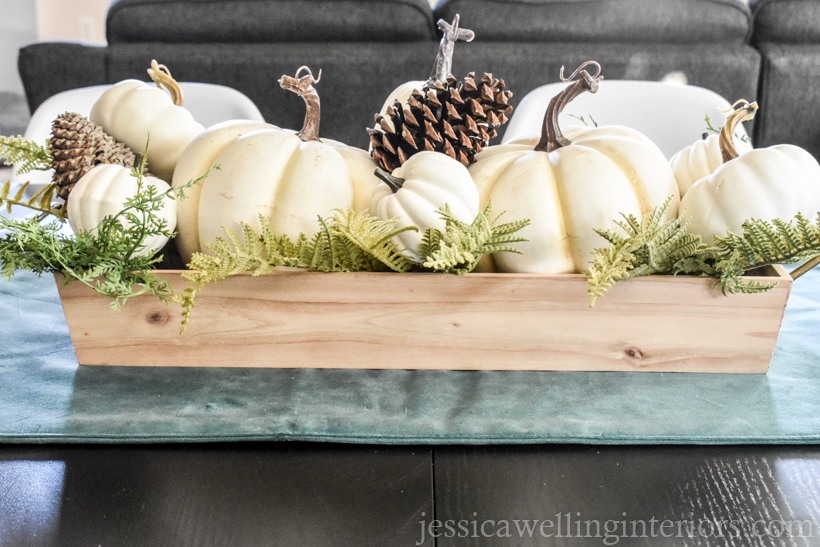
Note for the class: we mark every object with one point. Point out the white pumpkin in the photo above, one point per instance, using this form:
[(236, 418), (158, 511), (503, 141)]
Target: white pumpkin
[(415, 192), (103, 192), (135, 112), (569, 187), (442, 66), (704, 156), (194, 163), (288, 178), (765, 184)]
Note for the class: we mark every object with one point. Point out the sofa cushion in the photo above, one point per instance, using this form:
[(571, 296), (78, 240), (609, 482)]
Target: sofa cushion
[(787, 21), (231, 21), (623, 21)]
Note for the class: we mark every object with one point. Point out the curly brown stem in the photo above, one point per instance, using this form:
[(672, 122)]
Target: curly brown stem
[(742, 111), (443, 65), (303, 86), (551, 136), (162, 77)]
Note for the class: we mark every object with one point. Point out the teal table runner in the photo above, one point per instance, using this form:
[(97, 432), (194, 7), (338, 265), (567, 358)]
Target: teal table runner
[(45, 396)]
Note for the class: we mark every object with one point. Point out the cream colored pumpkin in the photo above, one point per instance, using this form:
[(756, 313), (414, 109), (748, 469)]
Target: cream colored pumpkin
[(195, 162), (288, 178), (103, 192), (766, 183), (135, 112), (569, 187), (704, 156), (415, 192)]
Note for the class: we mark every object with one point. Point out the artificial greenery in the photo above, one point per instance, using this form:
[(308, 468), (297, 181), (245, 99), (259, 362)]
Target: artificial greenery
[(41, 201), (346, 242), (25, 154), (713, 129), (657, 246), (108, 260), (460, 247), (583, 120)]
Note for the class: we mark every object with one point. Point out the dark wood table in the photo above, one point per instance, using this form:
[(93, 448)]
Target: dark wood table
[(304, 494)]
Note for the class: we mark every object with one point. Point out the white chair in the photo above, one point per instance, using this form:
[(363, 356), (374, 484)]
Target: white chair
[(208, 103), (672, 115)]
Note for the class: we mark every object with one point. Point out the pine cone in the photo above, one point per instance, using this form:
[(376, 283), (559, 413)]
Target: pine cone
[(77, 144), (455, 117)]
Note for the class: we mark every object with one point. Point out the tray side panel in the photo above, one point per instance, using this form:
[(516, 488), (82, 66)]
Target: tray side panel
[(430, 321)]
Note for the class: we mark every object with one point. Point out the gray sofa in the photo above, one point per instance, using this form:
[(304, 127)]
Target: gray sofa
[(365, 48)]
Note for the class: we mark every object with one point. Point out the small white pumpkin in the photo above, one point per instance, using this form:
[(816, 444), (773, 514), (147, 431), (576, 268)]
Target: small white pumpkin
[(103, 192), (704, 156), (133, 112), (415, 192), (291, 179), (777, 182), (569, 187)]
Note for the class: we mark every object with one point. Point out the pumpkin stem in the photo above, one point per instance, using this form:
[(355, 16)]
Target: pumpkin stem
[(395, 183), (303, 86), (162, 77), (443, 65), (551, 136), (743, 111)]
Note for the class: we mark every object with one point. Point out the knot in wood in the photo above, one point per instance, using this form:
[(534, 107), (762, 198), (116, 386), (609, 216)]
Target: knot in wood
[(634, 353), (157, 317)]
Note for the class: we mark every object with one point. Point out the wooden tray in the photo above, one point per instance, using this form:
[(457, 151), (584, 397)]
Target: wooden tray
[(437, 321)]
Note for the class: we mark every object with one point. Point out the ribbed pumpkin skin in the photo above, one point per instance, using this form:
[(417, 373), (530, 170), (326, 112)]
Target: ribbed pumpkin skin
[(699, 160), (571, 191), (103, 191), (431, 181), (131, 111), (267, 171), (766, 183), (196, 160)]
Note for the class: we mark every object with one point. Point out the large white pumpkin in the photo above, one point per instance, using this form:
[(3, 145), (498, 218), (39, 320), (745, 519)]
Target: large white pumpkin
[(289, 179), (135, 113), (569, 185)]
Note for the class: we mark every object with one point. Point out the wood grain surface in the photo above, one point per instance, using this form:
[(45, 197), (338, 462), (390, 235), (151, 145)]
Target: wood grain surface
[(427, 321), (317, 495), (746, 496)]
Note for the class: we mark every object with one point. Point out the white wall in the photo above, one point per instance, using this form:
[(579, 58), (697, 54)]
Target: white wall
[(27, 21), (18, 27), (82, 20)]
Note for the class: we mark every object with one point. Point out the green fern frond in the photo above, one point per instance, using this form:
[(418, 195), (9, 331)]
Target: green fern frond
[(374, 241), (459, 248), (649, 246), (655, 247), (610, 265), (501, 235), (26, 155), (40, 202), (430, 242), (763, 243)]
